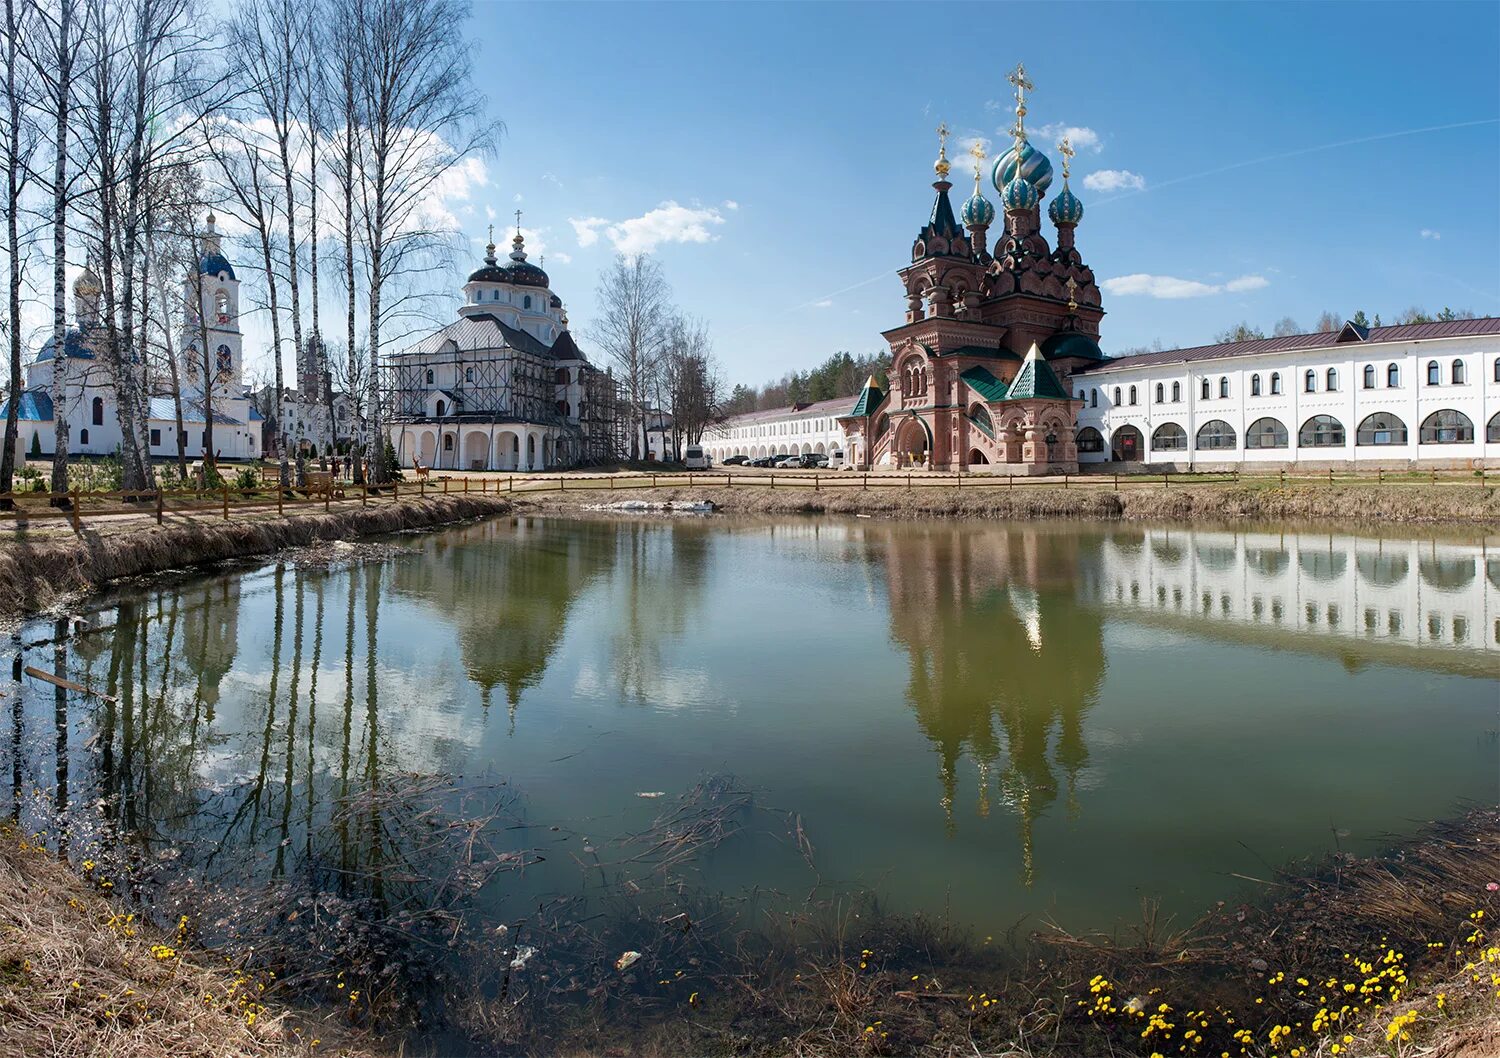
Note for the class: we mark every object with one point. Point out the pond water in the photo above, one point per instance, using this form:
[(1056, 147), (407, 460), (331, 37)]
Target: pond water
[(994, 722)]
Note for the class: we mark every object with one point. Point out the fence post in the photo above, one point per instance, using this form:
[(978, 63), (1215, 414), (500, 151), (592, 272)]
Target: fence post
[(1330, 475), (328, 497), (158, 504), (1380, 475), (225, 495), (1434, 475), (445, 486), (690, 479), (1283, 477), (510, 483), (1117, 481), (279, 496), (73, 517), (908, 479), (773, 479), (865, 483), (1065, 479), (395, 490), (466, 484), (815, 482), (1166, 482)]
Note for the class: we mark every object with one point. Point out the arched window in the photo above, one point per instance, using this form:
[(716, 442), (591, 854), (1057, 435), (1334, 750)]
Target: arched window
[(1492, 431), (1132, 394), (429, 376), (981, 418), (83, 437), (447, 442), (1369, 376), (1321, 431), (221, 305), (526, 302), (1275, 383), (1117, 396), (561, 377), (1206, 389), (1382, 428), (1331, 380), (1446, 428), (1265, 433), (1459, 376), (1126, 444), (1216, 434), (468, 374), (1224, 386), (1310, 381), (1497, 369), (1176, 392), (1090, 440), (1169, 437), (1254, 385), (97, 410), (882, 424), (1093, 398), (225, 360), (442, 408), (1161, 391), (1393, 375), (1434, 373)]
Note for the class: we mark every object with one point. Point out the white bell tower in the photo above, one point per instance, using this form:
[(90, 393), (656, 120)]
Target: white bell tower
[(213, 298)]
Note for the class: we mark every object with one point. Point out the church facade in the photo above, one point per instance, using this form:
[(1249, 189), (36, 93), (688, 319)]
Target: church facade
[(504, 386), (90, 402), (980, 368)]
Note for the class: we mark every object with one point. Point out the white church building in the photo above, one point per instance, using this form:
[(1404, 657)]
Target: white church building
[(212, 301)]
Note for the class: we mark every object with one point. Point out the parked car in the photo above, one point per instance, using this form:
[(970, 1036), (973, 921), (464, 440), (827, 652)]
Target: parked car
[(762, 461), (734, 461), (787, 461), (695, 458), (814, 461)]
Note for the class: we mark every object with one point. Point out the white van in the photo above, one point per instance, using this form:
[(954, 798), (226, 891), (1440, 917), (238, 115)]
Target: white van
[(695, 458)]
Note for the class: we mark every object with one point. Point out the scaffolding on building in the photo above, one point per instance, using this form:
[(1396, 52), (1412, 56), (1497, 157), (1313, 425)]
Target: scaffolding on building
[(502, 386)]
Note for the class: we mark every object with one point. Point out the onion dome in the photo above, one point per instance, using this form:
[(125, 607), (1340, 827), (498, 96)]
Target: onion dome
[(519, 271), (1034, 167), (977, 211), (1020, 194), (87, 284), (1065, 208), (214, 263)]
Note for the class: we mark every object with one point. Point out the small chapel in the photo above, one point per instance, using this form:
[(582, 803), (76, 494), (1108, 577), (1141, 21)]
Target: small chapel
[(980, 368)]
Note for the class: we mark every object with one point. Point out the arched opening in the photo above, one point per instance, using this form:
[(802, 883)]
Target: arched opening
[(1223, 387), (429, 448), (912, 444), (1369, 376), (1446, 427), (1216, 435), (1321, 431), (1176, 392), (1492, 431), (221, 305), (978, 458), (1434, 373), (1266, 433), (979, 415), (1126, 445), (1393, 375), (1275, 383), (96, 412), (1090, 440), (1460, 373), (442, 408), (1169, 437), (1254, 385), (1160, 393), (560, 376), (1382, 428), (1331, 380), (476, 451)]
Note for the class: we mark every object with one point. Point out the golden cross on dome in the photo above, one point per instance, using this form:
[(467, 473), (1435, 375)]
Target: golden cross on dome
[(1017, 77), (977, 152), (941, 165), (1065, 149), (942, 131), (492, 235), (1072, 291), (518, 222)]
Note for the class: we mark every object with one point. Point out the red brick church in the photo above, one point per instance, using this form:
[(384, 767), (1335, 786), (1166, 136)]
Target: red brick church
[(980, 369)]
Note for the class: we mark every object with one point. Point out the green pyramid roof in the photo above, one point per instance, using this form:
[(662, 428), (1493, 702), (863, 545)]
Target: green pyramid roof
[(869, 399), (1036, 381)]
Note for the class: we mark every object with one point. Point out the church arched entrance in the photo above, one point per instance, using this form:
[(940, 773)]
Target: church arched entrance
[(912, 445)]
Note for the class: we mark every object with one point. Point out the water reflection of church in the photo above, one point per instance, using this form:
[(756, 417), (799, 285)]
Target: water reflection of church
[(1005, 663), (1004, 629)]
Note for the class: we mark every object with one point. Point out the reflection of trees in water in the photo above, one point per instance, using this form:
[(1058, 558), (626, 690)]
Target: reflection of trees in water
[(1002, 657), (507, 587), (663, 577)]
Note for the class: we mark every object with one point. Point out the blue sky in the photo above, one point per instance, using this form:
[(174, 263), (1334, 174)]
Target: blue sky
[(796, 142)]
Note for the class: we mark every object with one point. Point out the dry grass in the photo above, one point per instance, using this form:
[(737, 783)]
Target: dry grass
[(81, 976), (1348, 504), (36, 576)]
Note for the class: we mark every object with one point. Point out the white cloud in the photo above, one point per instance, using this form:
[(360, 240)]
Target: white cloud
[(668, 222), (489, 213), (1114, 180), (1080, 136), (517, 197), (552, 179), (1428, 233), (587, 229), (1172, 288), (731, 204), (825, 303)]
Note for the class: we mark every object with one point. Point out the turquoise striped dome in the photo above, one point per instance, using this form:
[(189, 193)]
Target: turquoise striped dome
[(1065, 208), (1020, 194), (978, 211), (1034, 166)]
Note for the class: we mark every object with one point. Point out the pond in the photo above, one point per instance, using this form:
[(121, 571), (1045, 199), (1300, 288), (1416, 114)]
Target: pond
[(997, 723)]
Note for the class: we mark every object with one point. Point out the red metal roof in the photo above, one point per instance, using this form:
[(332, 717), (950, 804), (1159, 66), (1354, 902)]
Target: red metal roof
[(1405, 332)]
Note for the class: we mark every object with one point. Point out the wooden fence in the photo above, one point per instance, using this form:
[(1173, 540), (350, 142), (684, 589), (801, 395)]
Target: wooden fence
[(225, 502)]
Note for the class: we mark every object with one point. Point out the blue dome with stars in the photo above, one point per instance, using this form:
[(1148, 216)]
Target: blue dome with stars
[(1020, 194), (1065, 208), (1034, 167), (978, 211)]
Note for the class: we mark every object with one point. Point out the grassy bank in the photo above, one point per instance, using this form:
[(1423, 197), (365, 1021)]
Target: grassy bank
[(81, 975), (1410, 504), (36, 575)]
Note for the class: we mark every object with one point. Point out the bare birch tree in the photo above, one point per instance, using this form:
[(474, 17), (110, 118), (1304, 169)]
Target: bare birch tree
[(635, 321), (15, 153), (421, 117)]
